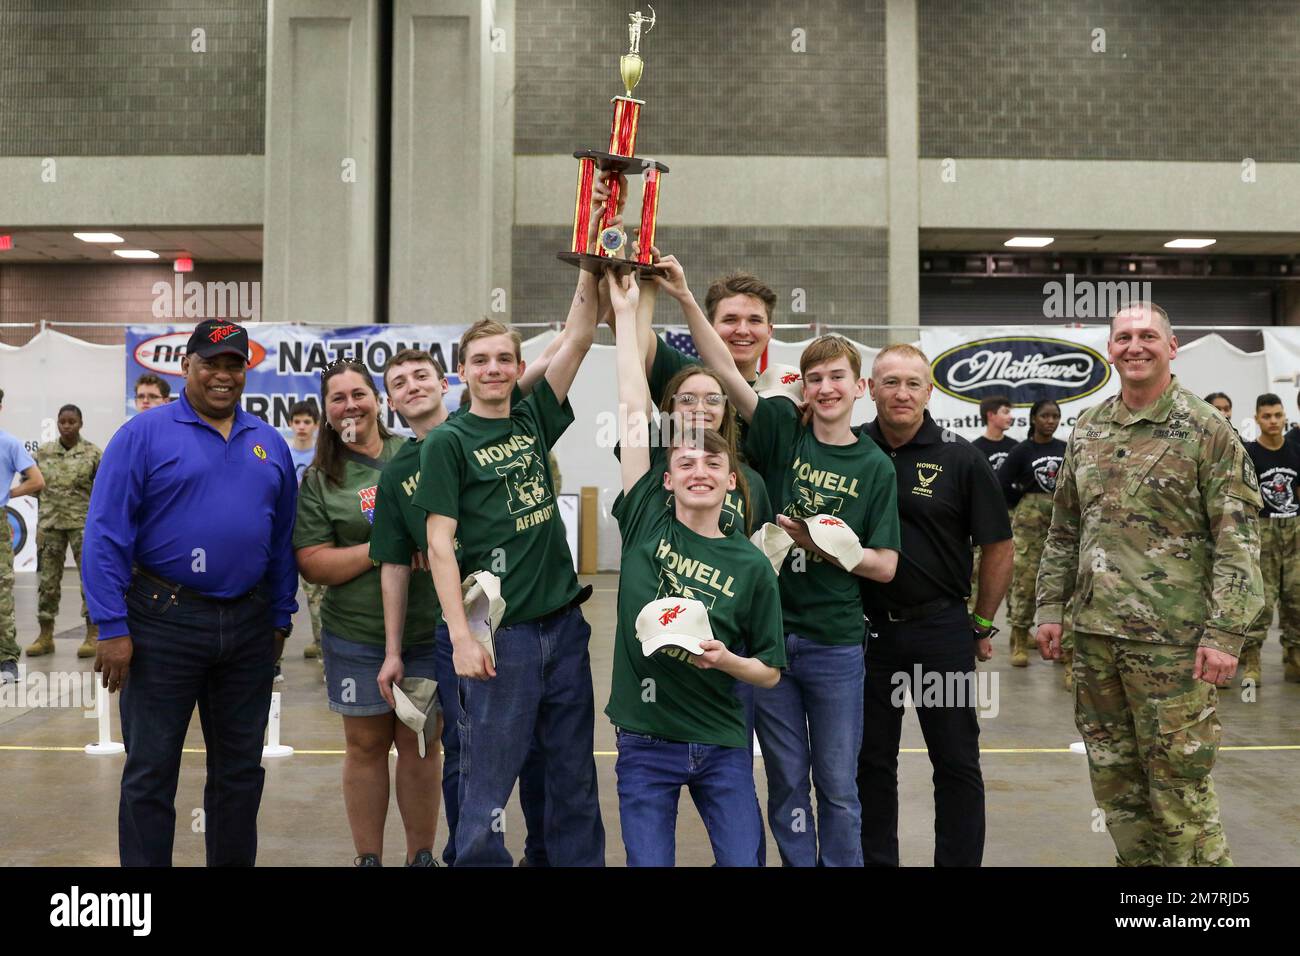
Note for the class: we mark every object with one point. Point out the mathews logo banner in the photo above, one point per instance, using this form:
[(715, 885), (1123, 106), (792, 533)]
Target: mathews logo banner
[(1068, 366), (1024, 368)]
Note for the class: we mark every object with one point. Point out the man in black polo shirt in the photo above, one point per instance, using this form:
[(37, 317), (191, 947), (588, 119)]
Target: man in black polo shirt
[(948, 499)]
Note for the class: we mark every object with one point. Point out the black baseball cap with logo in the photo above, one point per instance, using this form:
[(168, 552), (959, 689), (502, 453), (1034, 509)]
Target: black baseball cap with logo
[(213, 337)]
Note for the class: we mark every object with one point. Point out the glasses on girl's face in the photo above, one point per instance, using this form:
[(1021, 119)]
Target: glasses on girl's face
[(690, 400)]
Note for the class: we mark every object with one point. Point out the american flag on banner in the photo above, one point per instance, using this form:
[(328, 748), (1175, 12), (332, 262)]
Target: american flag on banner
[(681, 340)]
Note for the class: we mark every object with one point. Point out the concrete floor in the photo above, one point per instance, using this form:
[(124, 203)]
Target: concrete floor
[(60, 805)]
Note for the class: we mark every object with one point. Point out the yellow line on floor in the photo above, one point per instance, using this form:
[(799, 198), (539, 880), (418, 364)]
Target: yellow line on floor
[(614, 753)]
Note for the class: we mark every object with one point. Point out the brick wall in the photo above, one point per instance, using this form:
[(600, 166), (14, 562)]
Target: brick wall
[(843, 272), (115, 295), (720, 78), (118, 78), (1180, 80)]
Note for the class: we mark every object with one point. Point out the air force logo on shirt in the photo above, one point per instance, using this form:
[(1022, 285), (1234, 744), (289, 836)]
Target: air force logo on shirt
[(1277, 487), (926, 475)]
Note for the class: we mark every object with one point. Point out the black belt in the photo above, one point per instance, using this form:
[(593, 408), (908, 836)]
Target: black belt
[(189, 594), (916, 612), (584, 593)]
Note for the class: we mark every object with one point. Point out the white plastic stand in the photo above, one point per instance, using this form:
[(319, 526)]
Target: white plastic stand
[(273, 746), (1078, 747), (106, 745)]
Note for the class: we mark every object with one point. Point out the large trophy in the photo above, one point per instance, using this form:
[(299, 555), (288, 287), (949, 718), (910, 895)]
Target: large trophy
[(610, 251)]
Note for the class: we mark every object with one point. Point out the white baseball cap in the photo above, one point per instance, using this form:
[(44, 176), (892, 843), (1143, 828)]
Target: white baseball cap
[(673, 621), (417, 702), (836, 538), (484, 607), (784, 381), (774, 542)]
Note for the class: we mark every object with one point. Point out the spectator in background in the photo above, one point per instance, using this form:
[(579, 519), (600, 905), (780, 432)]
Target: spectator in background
[(1028, 478), (1277, 465), (151, 391), (1222, 403), (69, 466), (14, 461), (997, 414), (304, 419)]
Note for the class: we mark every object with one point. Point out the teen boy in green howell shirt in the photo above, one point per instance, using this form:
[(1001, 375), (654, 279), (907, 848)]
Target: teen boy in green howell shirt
[(417, 388), (690, 730), (484, 482), (809, 722)]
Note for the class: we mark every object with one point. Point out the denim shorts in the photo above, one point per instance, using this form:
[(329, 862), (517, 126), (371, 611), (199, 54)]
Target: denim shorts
[(352, 673)]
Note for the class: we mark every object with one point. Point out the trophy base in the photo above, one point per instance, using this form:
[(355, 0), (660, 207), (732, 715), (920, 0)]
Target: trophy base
[(588, 262), (619, 164)]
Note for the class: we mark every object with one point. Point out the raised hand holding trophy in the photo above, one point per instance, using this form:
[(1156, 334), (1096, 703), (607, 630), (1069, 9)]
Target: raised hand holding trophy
[(611, 240)]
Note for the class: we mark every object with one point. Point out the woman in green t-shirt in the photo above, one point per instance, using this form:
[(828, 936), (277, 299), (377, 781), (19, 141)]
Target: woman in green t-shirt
[(336, 503), (678, 720)]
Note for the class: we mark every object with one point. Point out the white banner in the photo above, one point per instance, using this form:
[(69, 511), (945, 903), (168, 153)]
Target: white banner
[(1282, 361), (1067, 365)]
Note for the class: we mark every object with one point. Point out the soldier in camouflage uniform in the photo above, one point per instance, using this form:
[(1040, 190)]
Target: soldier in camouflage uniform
[(69, 467), (1155, 534)]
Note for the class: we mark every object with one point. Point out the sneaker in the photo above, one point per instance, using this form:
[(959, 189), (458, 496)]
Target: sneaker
[(279, 678), (9, 672), (423, 858), (367, 859)]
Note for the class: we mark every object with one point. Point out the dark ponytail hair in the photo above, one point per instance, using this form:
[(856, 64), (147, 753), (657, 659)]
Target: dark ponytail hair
[(1034, 409), (330, 458)]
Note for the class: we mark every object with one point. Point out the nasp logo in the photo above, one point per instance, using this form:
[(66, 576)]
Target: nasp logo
[(1022, 367), (163, 353)]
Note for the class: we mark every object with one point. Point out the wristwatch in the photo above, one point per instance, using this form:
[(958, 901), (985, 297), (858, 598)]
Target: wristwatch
[(982, 627), (283, 631)]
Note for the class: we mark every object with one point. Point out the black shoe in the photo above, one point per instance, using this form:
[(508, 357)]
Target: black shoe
[(423, 858), (9, 672), (367, 859)]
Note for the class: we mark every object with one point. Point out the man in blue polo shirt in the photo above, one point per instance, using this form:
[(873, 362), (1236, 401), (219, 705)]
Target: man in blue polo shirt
[(189, 573)]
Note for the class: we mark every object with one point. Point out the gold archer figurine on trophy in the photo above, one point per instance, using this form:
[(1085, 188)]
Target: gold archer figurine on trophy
[(619, 159)]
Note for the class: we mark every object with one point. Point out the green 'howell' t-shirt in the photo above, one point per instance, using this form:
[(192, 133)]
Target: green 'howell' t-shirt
[(342, 515), (855, 483), (399, 530), (490, 474), (665, 695)]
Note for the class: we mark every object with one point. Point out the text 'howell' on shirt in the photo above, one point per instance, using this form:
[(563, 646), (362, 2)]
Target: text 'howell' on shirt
[(490, 475), (210, 513)]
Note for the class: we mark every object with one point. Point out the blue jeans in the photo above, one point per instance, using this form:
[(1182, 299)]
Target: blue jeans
[(541, 695), (532, 792), (651, 773), (811, 722), (222, 658)]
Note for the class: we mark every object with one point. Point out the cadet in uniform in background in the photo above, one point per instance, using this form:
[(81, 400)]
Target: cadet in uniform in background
[(995, 444), (1028, 479), (69, 465), (1155, 534), (1277, 466)]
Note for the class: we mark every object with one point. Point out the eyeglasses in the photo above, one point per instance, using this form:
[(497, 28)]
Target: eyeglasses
[(690, 399)]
